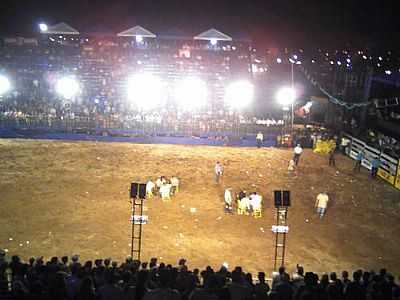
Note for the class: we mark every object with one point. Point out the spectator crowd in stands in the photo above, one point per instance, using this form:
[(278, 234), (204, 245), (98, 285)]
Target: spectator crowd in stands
[(62, 279)]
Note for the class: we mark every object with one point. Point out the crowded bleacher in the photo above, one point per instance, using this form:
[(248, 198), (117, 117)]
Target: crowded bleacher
[(70, 279)]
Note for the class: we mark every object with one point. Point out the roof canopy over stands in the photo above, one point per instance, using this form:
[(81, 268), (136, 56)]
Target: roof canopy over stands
[(213, 34), (137, 31), (61, 28)]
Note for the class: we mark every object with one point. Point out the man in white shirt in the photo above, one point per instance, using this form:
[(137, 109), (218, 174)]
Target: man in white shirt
[(245, 204), (228, 200), (321, 204), (255, 201), (165, 191), (344, 144), (149, 188), (158, 183), (259, 139), (218, 171), (297, 153), (174, 184)]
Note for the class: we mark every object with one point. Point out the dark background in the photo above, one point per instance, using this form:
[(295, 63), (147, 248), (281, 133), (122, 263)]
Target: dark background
[(328, 23)]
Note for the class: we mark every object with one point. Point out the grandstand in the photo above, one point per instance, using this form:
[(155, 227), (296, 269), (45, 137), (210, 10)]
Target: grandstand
[(102, 65), (349, 89)]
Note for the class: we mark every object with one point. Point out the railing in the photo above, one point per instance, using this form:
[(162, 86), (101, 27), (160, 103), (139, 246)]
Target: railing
[(390, 167)]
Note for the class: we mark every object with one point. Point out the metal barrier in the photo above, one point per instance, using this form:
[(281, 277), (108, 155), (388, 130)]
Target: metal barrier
[(390, 166)]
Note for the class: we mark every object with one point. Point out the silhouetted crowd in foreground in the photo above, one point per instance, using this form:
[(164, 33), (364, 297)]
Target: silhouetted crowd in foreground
[(62, 279)]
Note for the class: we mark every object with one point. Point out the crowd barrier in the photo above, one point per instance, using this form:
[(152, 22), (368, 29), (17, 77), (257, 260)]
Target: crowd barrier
[(390, 167), (133, 137)]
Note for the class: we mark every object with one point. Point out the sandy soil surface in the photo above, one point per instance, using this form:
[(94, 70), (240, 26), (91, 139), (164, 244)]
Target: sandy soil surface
[(61, 198)]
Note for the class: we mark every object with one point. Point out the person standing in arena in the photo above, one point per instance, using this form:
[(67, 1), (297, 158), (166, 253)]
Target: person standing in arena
[(297, 153), (332, 158), (321, 204), (259, 139), (359, 158), (344, 144), (375, 164), (228, 200), (218, 171)]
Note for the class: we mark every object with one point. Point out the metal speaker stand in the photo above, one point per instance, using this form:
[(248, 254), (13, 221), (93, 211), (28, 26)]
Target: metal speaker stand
[(137, 220), (280, 231), (282, 203)]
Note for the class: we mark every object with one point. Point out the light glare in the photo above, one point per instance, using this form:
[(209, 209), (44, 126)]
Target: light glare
[(146, 91), (5, 85), (191, 93), (43, 27), (239, 94), (286, 96), (67, 87), (139, 39)]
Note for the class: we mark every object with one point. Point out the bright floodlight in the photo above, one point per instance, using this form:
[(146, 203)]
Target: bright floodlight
[(286, 96), (146, 91), (191, 93), (43, 27), (139, 38), (213, 42), (5, 85), (239, 94), (68, 87)]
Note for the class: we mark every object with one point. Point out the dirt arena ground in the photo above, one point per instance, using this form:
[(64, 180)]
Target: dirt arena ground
[(62, 198)]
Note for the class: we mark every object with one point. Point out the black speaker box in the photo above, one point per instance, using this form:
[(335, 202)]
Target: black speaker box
[(278, 198), (286, 198), (134, 189), (142, 191)]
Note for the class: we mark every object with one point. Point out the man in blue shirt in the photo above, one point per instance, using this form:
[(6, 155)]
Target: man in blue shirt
[(360, 156), (375, 164)]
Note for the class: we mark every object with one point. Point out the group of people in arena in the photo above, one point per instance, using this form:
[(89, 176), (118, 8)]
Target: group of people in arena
[(163, 187), (246, 204), (106, 279)]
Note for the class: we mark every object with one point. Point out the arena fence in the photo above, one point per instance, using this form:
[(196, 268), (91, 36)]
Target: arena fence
[(242, 135), (390, 167)]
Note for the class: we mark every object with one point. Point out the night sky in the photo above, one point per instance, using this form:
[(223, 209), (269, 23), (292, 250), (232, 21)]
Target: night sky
[(268, 23)]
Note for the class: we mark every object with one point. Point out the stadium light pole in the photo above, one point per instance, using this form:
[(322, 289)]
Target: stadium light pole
[(292, 62)]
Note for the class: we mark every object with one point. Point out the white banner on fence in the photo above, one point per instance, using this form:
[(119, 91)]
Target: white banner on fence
[(280, 229), (137, 219)]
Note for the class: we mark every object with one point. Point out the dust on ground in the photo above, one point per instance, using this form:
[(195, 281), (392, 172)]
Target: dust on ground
[(61, 198)]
